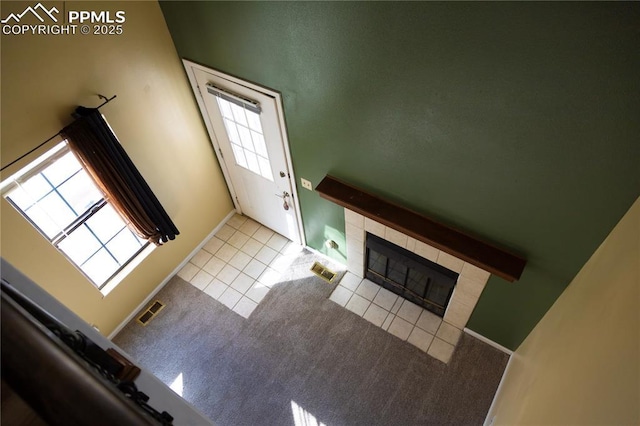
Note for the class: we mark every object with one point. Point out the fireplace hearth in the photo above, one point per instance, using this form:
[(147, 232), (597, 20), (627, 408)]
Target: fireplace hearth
[(437, 305), (409, 305), (408, 275)]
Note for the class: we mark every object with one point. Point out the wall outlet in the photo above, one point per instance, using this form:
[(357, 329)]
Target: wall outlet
[(306, 184)]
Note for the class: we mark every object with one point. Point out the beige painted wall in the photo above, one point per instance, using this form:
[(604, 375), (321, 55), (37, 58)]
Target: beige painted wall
[(156, 119), (580, 365)]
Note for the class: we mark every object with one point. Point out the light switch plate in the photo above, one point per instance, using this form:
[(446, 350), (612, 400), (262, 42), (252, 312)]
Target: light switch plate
[(306, 184)]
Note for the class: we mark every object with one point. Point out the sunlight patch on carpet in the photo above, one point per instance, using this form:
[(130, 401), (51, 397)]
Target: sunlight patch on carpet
[(302, 417), (177, 386)]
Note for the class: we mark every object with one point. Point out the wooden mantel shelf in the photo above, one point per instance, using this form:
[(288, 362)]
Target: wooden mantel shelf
[(422, 228)]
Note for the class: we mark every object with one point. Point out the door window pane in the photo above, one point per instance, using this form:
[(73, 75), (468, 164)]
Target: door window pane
[(258, 142), (254, 120), (245, 137), (238, 114), (238, 153), (225, 108), (252, 161), (232, 131), (244, 128)]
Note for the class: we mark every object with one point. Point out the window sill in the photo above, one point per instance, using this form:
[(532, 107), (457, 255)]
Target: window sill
[(117, 279)]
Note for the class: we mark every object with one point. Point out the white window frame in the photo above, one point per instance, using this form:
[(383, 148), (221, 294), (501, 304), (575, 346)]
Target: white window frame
[(41, 164)]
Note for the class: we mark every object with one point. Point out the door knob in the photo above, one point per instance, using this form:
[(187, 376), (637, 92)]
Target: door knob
[(284, 197)]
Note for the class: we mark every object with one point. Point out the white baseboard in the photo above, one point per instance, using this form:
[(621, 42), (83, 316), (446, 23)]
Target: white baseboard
[(166, 280), (488, 341), (488, 421), (324, 256)]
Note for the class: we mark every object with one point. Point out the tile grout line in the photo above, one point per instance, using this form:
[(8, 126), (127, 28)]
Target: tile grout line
[(235, 226), (434, 338), (233, 230)]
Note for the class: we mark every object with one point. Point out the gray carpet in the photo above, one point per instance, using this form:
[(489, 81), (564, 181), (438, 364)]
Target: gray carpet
[(299, 349)]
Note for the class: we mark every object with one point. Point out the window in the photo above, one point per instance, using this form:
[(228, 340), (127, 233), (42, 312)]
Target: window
[(60, 199), (245, 134)]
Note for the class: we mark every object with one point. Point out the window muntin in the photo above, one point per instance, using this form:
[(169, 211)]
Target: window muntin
[(246, 136), (56, 194)]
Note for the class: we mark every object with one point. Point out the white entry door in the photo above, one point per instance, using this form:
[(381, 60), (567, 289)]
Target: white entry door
[(245, 125)]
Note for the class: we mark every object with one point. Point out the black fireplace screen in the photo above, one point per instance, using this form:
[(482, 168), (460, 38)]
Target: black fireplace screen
[(408, 275)]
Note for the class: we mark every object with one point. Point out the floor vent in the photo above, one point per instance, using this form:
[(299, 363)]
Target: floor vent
[(150, 312), (322, 271)]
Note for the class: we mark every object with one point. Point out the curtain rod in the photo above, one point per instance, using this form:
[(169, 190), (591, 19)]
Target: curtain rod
[(106, 101)]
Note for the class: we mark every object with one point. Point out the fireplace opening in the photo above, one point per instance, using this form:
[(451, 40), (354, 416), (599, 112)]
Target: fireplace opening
[(408, 275)]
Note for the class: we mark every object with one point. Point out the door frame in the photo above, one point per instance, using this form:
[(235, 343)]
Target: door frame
[(189, 67)]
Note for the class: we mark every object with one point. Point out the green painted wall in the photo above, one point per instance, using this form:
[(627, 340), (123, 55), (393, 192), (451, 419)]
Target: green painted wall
[(516, 122)]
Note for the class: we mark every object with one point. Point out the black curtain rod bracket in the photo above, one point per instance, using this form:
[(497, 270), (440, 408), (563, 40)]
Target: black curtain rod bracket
[(106, 100)]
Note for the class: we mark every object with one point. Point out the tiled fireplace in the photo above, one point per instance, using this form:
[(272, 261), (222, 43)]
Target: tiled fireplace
[(420, 240), (408, 321), (408, 275)]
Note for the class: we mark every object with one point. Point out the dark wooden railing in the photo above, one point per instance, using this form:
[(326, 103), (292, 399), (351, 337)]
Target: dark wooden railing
[(57, 383)]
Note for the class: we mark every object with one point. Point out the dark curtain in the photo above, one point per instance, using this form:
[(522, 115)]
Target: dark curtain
[(98, 149)]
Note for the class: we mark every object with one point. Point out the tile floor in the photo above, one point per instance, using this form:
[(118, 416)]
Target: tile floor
[(398, 316), (240, 263), (243, 260)]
